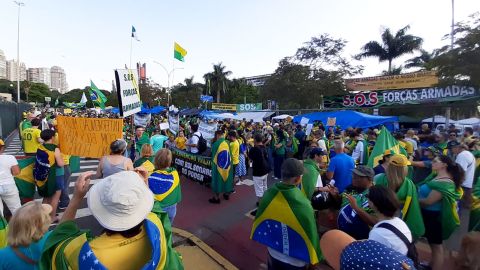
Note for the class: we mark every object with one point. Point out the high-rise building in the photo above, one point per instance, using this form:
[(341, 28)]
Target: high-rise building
[(58, 79), (39, 75), (3, 66), (12, 71)]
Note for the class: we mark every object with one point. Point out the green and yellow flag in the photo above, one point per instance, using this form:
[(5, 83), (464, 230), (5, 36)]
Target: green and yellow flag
[(474, 224), (179, 52), (285, 222), (3, 232), (384, 141), (222, 168), (449, 213), (165, 185), (411, 212), (24, 181), (146, 162), (97, 97)]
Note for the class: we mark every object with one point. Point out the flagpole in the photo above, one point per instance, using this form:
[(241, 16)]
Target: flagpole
[(131, 46)]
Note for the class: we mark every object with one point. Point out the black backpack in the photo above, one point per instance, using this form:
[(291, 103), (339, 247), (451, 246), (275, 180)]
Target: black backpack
[(412, 250), (202, 143)]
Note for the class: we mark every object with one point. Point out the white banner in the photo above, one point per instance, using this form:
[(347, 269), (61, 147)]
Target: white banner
[(128, 92), (164, 126), (173, 124), (142, 119), (208, 131)]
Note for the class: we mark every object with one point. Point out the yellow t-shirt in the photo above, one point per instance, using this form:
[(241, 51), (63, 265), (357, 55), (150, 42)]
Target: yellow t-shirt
[(235, 152), (30, 138), (180, 142), (118, 252)]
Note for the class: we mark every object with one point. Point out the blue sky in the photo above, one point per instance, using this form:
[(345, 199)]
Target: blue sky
[(91, 38)]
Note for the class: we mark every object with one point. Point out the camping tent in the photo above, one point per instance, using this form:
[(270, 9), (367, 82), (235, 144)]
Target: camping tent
[(469, 121), (346, 119), (438, 120), (281, 117)]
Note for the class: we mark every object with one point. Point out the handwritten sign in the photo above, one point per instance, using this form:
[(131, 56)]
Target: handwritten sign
[(88, 137), (331, 121), (128, 92)]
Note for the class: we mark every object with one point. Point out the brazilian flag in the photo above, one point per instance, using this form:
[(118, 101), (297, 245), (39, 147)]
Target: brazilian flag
[(285, 222), (165, 185), (222, 168), (449, 213), (146, 162), (68, 247), (385, 141), (3, 232), (474, 224), (24, 181)]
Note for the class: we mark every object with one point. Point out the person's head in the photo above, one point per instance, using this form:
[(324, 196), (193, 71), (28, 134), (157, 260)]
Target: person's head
[(36, 122), (386, 156), (372, 136), (383, 200), (399, 136), (47, 135), (181, 134), (338, 146), (362, 177), (219, 134), (232, 135), (397, 171), (118, 147), (331, 136), (163, 159), (292, 171), (410, 133), (28, 224), (468, 131), (425, 127), (452, 136), (445, 163), (280, 134), (316, 154), (442, 138), (194, 127), (120, 202), (147, 150), (457, 147), (258, 139), (171, 138), (139, 130)]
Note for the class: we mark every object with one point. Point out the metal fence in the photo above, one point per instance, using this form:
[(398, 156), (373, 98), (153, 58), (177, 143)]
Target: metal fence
[(10, 116)]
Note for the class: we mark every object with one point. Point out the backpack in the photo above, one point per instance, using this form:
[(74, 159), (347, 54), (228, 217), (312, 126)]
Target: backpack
[(412, 250), (202, 143), (44, 161)]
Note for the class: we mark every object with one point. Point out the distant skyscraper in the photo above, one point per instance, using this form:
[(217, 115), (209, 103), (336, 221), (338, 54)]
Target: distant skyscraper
[(12, 71), (58, 79), (3, 66), (39, 75)]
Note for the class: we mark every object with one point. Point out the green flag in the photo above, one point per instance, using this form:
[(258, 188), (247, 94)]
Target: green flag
[(56, 102), (97, 96), (384, 142), (449, 213), (474, 224)]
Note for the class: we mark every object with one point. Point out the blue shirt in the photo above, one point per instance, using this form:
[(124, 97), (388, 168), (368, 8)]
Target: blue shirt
[(423, 193), (341, 165), (157, 142), (10, 260)]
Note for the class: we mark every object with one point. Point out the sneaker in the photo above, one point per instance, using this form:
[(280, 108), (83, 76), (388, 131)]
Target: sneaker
[(254, 212), (226, 196), (61, 207)]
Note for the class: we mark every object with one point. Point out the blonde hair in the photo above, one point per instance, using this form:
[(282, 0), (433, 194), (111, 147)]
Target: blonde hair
[(396, 175), (147, 150), (163, 159), (28, 225)]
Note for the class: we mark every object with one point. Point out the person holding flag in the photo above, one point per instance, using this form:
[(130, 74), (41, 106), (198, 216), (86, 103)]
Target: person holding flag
[(222, 168), (285, 222), (97, 97)]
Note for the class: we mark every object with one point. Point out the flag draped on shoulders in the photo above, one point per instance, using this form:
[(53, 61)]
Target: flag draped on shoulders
[(165, 185), (474, 224), (385, 141), (309, 178), (222, 168), (146, 162), (408, 197), (285, 222), (449, 213), (3, 232), (24, 180), (97, 97)]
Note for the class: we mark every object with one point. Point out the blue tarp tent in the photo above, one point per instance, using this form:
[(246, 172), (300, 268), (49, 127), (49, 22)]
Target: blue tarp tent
[(346, 119), (154, 110)]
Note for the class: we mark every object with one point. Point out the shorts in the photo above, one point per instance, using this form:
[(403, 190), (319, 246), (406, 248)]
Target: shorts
[(433, 226)]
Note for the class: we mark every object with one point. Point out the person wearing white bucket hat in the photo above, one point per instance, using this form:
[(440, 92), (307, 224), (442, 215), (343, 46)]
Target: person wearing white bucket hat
[(137, 234)]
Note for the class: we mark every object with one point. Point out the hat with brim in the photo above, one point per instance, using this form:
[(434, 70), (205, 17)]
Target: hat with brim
[(364, 171), (120, 201), (399, 161)]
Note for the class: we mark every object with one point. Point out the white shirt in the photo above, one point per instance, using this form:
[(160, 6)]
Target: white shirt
[(413, 142), (358, 152), (6, 164), (194, 140), (319, 182), (467, 161), (321, 144), (388, 238)]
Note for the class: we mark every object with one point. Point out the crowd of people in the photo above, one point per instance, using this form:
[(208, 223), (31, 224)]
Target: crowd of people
[(415, 190)]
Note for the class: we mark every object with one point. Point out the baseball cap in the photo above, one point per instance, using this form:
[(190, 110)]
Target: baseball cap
[(399, 161), (121, 201), (364, 171), (292, 167)]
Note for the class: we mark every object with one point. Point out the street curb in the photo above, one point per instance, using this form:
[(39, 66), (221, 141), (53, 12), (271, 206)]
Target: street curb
[(205, 248)]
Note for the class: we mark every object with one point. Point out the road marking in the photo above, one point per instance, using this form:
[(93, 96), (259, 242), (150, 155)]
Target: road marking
[(89, 167)]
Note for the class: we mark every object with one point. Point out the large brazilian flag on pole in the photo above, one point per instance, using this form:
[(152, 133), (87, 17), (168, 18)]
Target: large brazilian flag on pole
[(285, 222)]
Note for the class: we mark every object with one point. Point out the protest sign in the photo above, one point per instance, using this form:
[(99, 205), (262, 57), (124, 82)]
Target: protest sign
[(208, 131), (331, 121), (309, 129), (304, 121), (142, 119), (195, 167), (67, 111), (87, 137), (128, 92), (164, 126), (224, 107), (401, 81), (173, 123)]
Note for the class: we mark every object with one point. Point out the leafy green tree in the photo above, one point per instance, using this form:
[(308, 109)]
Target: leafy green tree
[(37, 92), (392, 46), (152, 93), (395, 71), (218, 80), (239, 92), (423, 61), (461, 65), (187, 95)]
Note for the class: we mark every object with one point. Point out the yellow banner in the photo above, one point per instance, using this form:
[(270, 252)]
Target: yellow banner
[(421, 79), (224, 107), (88, 137)]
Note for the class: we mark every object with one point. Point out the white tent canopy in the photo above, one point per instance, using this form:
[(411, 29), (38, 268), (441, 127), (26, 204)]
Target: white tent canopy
[(438, 120), (257, 117), (469, 121), (282, 117)]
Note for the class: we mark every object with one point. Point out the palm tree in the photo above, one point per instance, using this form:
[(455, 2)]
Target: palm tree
[(218, 79), (422, 61), (393, 46)]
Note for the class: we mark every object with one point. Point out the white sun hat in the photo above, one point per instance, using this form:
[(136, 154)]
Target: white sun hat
[(121, 201)]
